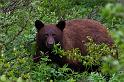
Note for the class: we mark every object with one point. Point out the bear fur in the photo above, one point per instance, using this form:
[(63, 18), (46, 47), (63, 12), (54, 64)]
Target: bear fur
[(70, 34)]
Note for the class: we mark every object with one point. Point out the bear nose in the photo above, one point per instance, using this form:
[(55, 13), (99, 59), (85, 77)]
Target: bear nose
[(51, 41)]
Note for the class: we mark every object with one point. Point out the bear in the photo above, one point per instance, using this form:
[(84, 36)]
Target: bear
[(70, 34)]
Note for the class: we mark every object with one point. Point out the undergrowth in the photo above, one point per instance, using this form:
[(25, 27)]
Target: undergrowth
[(98, 54)]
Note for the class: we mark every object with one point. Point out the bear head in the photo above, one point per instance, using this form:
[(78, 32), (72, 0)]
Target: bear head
[(49, 34)]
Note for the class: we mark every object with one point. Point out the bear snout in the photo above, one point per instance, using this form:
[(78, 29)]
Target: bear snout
[(49, 43)]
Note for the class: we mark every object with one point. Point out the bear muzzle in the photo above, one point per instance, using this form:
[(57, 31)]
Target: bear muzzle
[(50, 42)]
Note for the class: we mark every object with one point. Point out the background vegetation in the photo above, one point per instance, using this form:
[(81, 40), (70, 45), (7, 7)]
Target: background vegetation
[(17, 38)]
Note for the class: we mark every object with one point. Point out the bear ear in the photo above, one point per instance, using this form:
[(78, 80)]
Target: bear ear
[(38, 24), (61, 25)]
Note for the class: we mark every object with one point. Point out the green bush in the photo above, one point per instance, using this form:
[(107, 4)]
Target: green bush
[(96, 53)]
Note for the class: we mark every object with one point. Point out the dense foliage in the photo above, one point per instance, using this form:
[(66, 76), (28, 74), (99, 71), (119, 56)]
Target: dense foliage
[(17, 39)]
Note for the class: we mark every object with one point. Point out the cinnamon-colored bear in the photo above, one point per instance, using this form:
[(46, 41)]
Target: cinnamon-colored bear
[(70, 34)]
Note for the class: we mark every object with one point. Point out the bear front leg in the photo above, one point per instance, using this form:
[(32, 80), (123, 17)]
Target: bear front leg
[(37, 57)]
